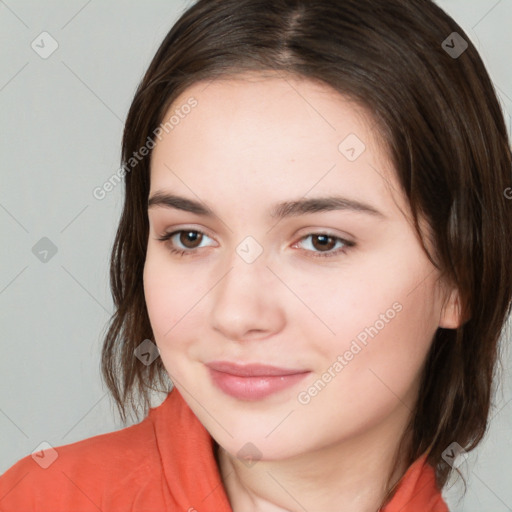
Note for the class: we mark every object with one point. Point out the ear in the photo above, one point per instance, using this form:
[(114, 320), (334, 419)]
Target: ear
[(451, 312)]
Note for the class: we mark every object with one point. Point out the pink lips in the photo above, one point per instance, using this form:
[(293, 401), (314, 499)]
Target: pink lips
[(252, 381)]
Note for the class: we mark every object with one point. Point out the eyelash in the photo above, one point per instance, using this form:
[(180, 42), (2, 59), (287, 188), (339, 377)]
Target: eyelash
[(180, 252)]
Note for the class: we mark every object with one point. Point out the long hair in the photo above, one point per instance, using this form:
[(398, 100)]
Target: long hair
[(437, 114)]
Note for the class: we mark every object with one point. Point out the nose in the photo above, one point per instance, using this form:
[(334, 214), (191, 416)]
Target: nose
[(247, 301)]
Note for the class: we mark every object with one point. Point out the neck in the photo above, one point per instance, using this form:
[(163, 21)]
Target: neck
[(351, 476)]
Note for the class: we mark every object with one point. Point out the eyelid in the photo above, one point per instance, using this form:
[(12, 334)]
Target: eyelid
[(347, 237), (186, 227)]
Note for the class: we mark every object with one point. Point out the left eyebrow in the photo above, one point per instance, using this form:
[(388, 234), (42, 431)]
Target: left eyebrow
[(279, 210), (322, 204)]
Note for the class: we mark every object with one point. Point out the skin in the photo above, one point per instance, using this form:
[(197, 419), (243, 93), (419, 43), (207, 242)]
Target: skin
[(251, 142)]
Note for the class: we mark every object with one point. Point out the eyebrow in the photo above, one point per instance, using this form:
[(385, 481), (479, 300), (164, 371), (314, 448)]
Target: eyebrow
[(279, 211)]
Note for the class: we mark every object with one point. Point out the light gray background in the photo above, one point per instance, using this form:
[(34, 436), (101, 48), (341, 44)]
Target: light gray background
[(62, 120)]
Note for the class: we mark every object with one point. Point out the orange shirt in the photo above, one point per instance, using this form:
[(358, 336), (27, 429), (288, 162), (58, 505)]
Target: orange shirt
[(164, 463)]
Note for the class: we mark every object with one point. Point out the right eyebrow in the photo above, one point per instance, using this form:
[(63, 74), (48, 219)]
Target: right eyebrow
[(179, 203)]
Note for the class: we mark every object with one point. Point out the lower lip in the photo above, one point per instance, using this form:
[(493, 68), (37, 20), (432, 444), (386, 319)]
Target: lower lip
[(253, 388)]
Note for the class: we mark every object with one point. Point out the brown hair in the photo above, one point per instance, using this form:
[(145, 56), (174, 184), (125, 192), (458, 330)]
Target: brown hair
[(440, 120)]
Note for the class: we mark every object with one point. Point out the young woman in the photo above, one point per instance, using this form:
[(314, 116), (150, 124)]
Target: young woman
[(313, 254)]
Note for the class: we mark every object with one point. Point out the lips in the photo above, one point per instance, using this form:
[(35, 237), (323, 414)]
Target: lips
[(253, 381), (252, 369)]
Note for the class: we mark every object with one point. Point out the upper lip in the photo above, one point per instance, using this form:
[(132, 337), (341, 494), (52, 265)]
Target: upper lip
[(252, 369)]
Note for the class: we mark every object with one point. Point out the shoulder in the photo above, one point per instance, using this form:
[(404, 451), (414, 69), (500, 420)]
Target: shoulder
[(83, 473)]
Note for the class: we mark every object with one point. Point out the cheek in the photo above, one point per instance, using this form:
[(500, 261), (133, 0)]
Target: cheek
[(383, 343), (168, 294), (384, 327), (381, 298), (176, 296), (169, 306), (396, 350), (155, 293)]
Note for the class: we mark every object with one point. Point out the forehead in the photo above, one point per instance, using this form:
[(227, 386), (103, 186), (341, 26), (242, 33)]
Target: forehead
[(266, 132), (265, 103)]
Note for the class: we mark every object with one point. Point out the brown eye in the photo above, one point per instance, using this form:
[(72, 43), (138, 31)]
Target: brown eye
[(189, 238), (184, 242), (325, 245), (323, 242)]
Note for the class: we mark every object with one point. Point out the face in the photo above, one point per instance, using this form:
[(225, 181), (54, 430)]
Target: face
[(337, 293)]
